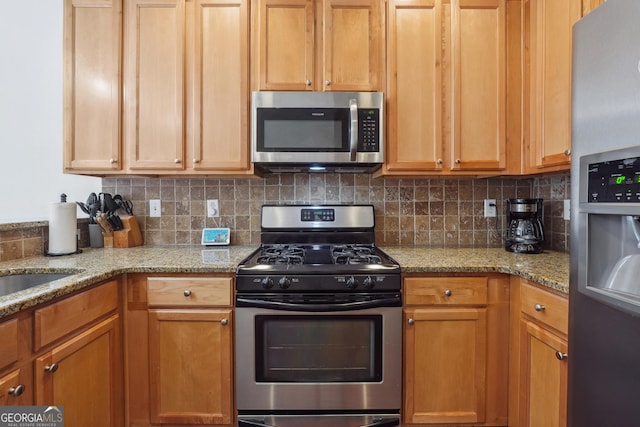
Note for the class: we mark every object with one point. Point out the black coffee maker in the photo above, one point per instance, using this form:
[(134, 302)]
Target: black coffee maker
[(525, 233)]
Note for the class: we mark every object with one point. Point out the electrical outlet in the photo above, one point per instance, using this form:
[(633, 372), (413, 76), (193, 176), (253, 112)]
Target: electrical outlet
[(155, 210), (212, 208), (490, 208), (567, 210)]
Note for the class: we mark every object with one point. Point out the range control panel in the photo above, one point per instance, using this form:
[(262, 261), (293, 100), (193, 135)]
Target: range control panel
[(614, 181)]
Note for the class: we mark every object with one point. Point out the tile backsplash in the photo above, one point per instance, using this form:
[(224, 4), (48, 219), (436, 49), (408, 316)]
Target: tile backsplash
[(437, 212)]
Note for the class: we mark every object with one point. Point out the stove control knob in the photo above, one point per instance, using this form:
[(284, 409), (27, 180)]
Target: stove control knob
[(284, 283), (267, 283), (368, 283), (352, 282)]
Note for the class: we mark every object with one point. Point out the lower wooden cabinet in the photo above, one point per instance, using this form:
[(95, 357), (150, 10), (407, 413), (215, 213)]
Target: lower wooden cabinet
[(84, 375), (456, 340), (67, 353), (190, 366), (179, 350), (539, 357)]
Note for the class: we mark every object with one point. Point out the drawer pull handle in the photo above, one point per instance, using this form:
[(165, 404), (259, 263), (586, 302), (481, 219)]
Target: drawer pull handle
[(448, 293), (187, 293), (51, 368), (17, 390), (561, 356), (539, 307), (411, 321), (224, 322)]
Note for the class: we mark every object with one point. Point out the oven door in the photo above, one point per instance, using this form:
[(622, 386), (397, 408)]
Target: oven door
[(318, 356)]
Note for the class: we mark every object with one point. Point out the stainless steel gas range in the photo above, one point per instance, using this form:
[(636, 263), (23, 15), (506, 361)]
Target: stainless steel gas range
[(318, 322)]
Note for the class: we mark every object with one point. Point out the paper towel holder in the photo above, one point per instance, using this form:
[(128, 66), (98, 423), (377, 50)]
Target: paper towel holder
[(63, 199)]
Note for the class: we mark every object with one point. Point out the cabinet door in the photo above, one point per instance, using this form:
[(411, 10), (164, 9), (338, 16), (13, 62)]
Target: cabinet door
[(92, 39), (414, 88), (445, 366), (478, 49), (190, 366), (84, 374), (154, 84), (283, 37), (589, 5), (550, 74), (218, 70), (544, 378), (352, 40)]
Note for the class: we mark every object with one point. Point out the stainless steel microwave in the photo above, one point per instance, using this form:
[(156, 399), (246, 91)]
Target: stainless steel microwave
[(317, 131)]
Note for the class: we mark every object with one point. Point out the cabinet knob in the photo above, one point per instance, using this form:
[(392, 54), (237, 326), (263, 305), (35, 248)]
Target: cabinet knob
[(439, 161), (177, 161), (447, 293), (411, 321), (51, 368), (458, 161), (567, 152), (17, 390), (196, 160), (327, 82), (113, 161), (539, 307), (187, 293), (224, 322), (561, 356), (308, 82)]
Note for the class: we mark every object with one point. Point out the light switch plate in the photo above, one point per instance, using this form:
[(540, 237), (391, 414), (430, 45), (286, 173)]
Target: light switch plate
[(490, 208), (155, 209), (567, 210)]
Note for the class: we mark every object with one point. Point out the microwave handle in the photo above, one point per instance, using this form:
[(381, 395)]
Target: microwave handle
[(353, 129)]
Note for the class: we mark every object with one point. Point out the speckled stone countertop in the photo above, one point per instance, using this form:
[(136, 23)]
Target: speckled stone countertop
[(94, 265)]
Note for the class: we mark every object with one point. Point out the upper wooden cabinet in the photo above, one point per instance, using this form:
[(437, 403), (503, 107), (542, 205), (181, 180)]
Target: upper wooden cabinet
[(548, 41), (446, 87), (321, 45), (184, 86), (91, 85)]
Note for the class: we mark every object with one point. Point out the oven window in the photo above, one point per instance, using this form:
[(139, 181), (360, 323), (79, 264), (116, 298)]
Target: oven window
[(331, 348), (303, 129)]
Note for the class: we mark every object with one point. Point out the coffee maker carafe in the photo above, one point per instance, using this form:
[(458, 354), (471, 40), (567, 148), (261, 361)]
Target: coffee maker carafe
[(525, 233)]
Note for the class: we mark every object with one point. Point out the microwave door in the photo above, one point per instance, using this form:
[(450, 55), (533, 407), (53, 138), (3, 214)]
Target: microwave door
[(353, 129)]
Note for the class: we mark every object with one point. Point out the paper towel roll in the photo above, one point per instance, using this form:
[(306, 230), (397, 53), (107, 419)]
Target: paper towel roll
[(62, 228)]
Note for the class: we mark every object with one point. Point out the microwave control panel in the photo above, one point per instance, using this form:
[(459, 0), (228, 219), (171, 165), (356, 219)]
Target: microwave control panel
[(614, 181), (369, 129)]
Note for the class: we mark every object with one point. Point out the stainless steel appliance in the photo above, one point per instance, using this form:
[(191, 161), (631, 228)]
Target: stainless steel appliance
[(317, 131), (525, 232), (318, 322), (604, 300)]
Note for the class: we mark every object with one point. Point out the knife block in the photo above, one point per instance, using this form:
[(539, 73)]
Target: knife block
[(130, 235)]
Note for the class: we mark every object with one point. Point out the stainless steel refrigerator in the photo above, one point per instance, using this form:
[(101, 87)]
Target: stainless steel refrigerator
[(604, 300)]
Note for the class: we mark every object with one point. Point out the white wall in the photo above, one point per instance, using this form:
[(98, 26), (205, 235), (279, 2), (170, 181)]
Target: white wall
[(31, 113)]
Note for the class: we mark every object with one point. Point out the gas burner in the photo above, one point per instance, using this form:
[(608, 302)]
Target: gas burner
[(281, 254), (351, 254)]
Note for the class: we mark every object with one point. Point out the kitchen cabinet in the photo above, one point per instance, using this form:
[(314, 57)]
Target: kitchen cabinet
[(177, 103), (180, 350), (319, 45), (548, 36), (49, 352), (539, 356), (446, 87), (91, 86), (61, 376), (455, 368)]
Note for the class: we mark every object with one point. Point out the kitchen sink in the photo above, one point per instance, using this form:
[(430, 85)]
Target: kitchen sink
[(20, 282)]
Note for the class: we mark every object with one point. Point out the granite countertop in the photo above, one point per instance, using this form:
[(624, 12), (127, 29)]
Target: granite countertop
[(550, 269)]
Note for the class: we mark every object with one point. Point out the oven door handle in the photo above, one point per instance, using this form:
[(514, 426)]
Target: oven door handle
[(348, 306)]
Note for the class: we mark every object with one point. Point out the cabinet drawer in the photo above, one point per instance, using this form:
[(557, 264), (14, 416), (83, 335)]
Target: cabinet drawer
[(545, 307), (58, 319), (189, 291), (445, 290), (9, 339)]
